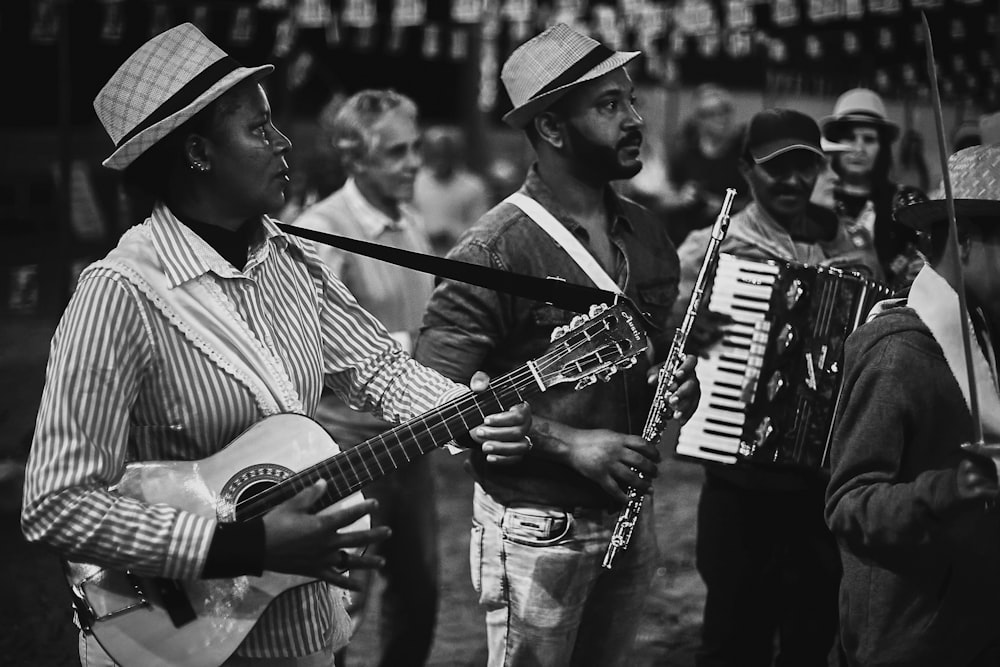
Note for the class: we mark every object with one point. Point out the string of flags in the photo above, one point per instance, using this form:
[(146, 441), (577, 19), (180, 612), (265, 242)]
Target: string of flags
[(762, 43)]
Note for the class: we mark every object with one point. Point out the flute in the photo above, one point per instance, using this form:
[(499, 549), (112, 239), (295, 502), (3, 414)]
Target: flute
[(659, 410)]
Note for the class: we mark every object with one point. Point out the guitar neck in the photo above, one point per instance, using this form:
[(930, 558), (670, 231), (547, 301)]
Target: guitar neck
[(354, 468)]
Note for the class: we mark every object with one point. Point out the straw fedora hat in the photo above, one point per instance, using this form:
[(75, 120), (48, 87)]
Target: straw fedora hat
[(165, 82), (858, 106), (975, 186), (544, 68)]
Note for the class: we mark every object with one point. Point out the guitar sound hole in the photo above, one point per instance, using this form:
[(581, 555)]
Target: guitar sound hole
[(236, 498), (248, 492)]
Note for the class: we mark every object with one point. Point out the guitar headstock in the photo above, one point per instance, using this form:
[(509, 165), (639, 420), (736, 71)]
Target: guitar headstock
[(592, 347)]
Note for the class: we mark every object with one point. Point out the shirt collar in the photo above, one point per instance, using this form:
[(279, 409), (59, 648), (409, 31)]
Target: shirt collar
[(372, 221), (539, 190), (186, 256)]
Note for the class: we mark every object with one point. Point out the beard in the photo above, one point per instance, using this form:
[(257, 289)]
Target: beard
[(603, 162)]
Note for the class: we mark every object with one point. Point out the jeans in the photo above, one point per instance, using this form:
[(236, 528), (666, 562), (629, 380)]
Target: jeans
[(548, 600)]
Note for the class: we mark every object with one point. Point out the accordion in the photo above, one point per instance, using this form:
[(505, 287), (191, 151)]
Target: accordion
[(770, 385)]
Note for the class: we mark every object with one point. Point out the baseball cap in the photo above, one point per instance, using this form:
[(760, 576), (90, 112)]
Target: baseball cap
[(773, 132)]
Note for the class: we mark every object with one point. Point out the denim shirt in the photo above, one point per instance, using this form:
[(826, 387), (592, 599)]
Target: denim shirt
[(467, 328)]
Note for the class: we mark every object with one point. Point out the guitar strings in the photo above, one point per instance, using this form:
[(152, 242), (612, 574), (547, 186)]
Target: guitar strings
[(509, 385)]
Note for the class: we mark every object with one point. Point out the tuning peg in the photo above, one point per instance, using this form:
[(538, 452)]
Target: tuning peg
[(628, 363), (558, 332), (597, 309), (586, 382), (606, 375), (577, 321)]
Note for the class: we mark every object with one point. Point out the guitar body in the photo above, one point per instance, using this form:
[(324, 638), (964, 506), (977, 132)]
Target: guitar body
[(151, 622), (134, 617)]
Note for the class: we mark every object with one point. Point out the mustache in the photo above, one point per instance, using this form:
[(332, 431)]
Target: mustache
[(631, 139), (793, 192)]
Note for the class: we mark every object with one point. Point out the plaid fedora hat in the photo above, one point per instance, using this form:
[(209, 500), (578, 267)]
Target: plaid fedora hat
[(975, 186), (544, 68), (858, 106), (165, 82)]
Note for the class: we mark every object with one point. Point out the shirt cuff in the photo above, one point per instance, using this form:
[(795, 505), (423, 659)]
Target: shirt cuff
[(237, 549)]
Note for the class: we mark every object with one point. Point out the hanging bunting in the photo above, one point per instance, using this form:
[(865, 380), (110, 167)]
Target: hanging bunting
[(408, 13), (651, 28), (852, 44), (739, 14), (244, 26), (709, 45), (785, 13), (570, 12), (813, 47), (332, 32), (909, 73), (458, 46), (23, 296), (819, 11), (44, 21), (113, 23), (431, 46), (739, 44), (518, 11), (284, 38), (886, 39), (884, 7), (957, 29), (486, 98), (313, 13), (854, 9), (359, 14), (272, 5), (777, 50), (199, 17), (697, 17), (405, 14), (160, 19), (882, 80), (925, 4), (466, 11), (607, 27)]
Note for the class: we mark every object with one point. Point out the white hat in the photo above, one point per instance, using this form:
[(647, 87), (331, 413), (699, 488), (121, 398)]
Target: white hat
[(544, 68), (858, 106), (165, 82)]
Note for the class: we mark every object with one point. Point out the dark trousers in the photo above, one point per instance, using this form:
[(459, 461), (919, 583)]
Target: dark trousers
[(409, 601), (772, 572)]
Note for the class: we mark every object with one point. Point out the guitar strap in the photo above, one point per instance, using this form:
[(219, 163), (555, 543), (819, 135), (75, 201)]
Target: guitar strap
[(556, 292), (565, 240)]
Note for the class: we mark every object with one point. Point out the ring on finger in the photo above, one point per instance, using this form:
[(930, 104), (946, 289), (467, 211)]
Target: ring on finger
[(530, 443)]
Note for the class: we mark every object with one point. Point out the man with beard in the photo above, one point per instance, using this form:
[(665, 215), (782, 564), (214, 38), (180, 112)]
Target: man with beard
[(769, 563), (375, 135), (541, 526)]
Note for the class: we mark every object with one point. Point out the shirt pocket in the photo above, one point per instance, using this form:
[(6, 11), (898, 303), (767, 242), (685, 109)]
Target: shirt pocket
[(657, 299)]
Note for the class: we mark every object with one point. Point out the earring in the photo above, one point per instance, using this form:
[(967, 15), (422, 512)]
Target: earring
[(198, 166)]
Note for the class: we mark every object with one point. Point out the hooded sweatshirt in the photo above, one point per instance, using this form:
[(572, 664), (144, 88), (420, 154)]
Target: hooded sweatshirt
[(921, 582)]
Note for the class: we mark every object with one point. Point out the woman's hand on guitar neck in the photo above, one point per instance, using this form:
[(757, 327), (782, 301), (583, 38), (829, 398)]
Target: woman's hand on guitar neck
[(503, 435), (302, 541)]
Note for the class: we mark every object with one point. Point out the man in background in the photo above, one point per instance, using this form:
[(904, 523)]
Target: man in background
[(449, 196), (375, 135), (703, 160), (769, 563)]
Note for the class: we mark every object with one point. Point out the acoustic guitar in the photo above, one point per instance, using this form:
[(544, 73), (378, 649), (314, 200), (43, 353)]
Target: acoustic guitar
[(147, 622)]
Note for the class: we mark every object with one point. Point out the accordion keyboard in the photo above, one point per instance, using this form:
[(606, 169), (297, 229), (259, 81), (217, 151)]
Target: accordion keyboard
[(742, 290)]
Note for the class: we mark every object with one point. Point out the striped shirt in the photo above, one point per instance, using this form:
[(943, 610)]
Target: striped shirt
[(125, 383)]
